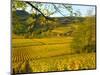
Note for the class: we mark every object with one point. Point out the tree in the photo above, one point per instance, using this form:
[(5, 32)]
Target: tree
[(45, 11), (84, 37), (19, 22), (39, 19), (18, 4)]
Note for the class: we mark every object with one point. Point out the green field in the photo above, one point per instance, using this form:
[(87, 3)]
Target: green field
[(48, 54)]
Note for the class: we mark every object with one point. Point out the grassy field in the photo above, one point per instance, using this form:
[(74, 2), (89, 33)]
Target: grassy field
[(48, 54)]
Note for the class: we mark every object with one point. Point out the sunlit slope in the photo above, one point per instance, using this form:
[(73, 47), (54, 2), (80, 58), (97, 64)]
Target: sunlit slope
[(37, 48), (41, 41), (49, 54), (65, 62)]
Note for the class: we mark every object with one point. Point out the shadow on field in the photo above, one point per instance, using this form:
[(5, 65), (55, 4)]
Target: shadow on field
[(27, 69)]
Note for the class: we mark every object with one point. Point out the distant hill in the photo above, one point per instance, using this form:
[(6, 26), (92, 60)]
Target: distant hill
[(22, 14), (68, 19)]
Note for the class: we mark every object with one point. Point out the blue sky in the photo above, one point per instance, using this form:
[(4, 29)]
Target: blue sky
[(82, 8)]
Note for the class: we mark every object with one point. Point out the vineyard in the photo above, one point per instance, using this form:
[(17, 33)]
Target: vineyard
[(48, 54)]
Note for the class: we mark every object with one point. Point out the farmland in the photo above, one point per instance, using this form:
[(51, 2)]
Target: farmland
[(48, 54), (52, 37)]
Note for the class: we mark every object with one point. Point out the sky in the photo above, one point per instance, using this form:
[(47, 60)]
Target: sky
[(84, 9)]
